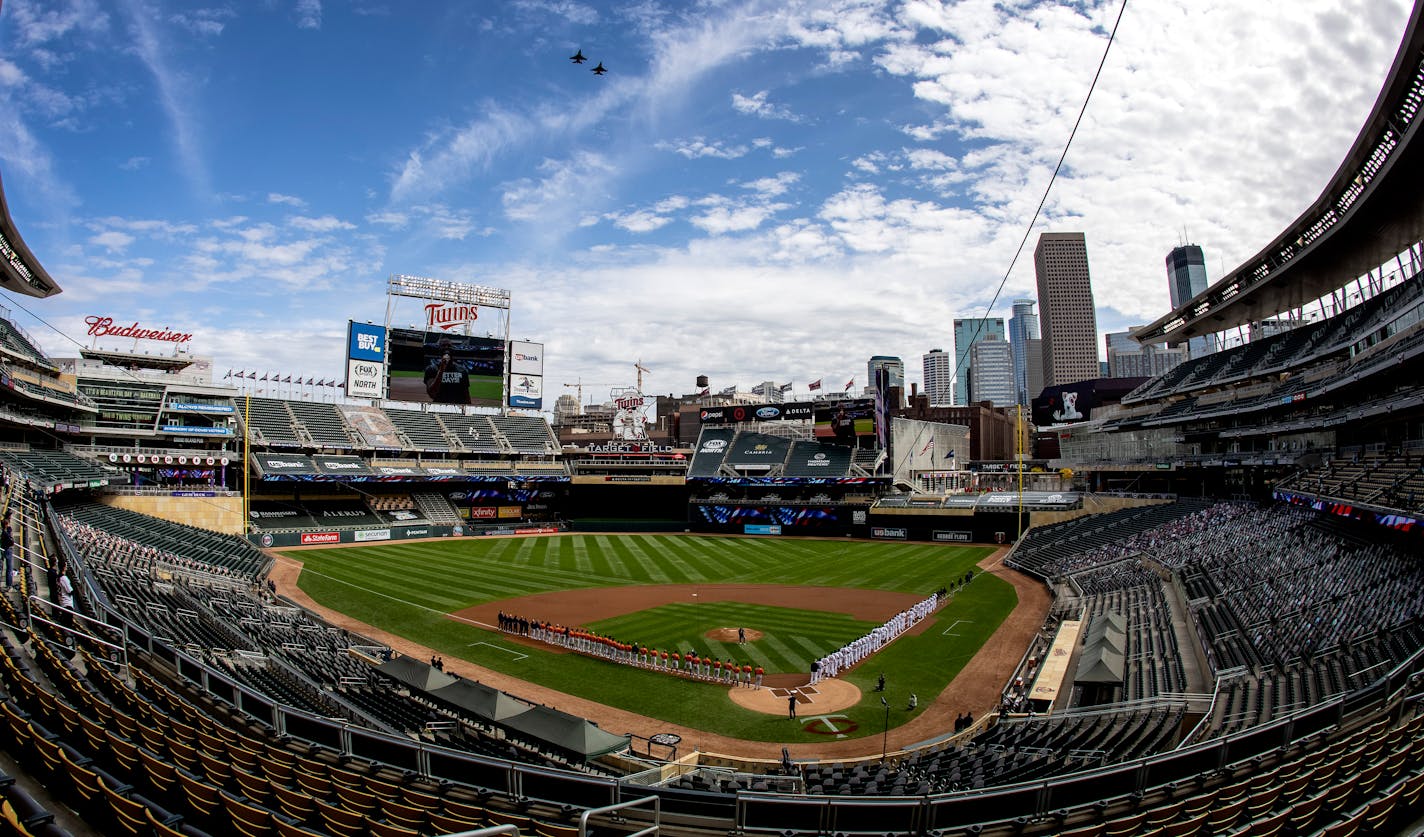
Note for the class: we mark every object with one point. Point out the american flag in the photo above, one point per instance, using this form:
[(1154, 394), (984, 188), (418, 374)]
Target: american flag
[(929, 446), (850, 384)]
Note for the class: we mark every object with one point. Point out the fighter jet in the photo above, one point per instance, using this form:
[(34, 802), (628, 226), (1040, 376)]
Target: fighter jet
[(577, 57), (598, 71)]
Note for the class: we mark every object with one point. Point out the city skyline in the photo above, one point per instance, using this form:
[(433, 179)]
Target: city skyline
[(783, 177)]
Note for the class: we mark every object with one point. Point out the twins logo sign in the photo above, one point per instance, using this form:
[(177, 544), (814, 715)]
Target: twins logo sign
[(837, 725)]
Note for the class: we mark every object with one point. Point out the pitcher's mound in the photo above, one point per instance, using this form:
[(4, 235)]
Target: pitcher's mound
[(730, 634), (826, 696)]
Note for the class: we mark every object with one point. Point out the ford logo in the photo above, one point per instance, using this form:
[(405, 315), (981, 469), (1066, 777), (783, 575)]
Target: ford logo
[(768, 412)]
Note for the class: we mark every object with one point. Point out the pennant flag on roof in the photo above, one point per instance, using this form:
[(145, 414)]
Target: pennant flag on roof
[(816, 384)]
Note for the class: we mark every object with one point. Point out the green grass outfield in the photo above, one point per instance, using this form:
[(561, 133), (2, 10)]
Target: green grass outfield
[(409, 588)]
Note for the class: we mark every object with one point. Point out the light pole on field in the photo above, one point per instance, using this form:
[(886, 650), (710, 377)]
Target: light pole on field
[(885, 736)]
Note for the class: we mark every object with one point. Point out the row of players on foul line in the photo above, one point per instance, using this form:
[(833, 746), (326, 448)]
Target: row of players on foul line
[(709, 668)]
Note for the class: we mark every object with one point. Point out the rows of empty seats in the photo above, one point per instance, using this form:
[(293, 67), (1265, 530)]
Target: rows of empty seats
[(14, 338), (526, 434), (422, 430), (322, 423), (269, 422), (217, 552), (1087, 541), (1301, 345), (51, 467)]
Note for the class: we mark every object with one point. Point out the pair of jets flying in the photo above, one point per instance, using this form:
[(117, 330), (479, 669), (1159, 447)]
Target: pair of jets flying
[(578, 58)]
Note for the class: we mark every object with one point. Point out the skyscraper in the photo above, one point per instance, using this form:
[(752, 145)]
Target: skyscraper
[(967, 332), (1129, 359), (938, 368), (1066, 316), (991, 372), (1186, 277), (1023, 327), (894, 366)]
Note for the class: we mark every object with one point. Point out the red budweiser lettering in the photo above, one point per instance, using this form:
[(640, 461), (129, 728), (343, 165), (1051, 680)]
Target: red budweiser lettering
[(104, 327), (438, 314)]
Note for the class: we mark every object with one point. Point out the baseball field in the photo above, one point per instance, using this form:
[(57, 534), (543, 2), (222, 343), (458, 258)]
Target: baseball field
[(798, 600)]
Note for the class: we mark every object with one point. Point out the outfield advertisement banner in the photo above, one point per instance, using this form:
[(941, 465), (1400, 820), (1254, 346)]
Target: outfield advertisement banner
[(795, 411), (526, 392), (444, 368), (889, 533), (365, 360), (321, 537), (953, 536), (372, 535)]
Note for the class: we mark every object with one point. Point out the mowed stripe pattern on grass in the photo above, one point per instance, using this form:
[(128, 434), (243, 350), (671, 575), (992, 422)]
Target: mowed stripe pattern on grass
[(455, 574), (791, 638), (410, 589)]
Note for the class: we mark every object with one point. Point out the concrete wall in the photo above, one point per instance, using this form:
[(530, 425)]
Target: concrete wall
[(220, 514), (1094, 504)]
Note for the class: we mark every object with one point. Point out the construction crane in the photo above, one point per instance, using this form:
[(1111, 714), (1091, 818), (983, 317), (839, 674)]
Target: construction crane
[(578, 388), (638, 365)]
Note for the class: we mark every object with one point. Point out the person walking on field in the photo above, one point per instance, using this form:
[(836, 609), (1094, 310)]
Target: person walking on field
[(791, 706)]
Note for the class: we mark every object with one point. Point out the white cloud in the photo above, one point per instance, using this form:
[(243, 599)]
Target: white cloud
[(208, 22), (729, 218), (326, 223), (641, 221), (308, 14), (699, 147), (286, 200), (135, 163), (173, 89), (757, 105), (561, 188), (771, 187), (454, 159), (112, 240)]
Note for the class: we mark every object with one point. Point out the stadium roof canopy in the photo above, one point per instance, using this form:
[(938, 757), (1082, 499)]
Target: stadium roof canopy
[(1370, 212), (20, 271)]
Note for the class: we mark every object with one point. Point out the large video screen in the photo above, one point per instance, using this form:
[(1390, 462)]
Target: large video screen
[(842, 422), (437, 368)]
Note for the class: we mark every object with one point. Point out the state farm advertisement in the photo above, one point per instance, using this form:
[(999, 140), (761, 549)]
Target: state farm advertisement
[(321, 537)]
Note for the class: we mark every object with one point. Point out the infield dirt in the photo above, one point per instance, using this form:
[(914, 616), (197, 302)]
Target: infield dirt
[(975, 689)]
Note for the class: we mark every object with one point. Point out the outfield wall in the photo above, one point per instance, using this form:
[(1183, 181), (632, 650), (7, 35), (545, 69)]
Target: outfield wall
[(218, 513)]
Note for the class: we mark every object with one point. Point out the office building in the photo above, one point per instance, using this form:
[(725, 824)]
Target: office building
[(991, 372), (937, 368), (1066, 317), (967, 332), (1023, 327), (1129, 359), (1033, 371), (1186, 277), (894, 367)]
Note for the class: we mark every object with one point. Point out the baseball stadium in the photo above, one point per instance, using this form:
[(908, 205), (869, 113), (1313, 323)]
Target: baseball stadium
[(407, 603)]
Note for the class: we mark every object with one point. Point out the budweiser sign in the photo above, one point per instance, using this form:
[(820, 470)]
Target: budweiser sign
[(446, 315), (104, 327)]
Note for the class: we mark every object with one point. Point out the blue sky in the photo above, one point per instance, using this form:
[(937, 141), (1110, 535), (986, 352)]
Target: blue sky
[(755, 191)]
